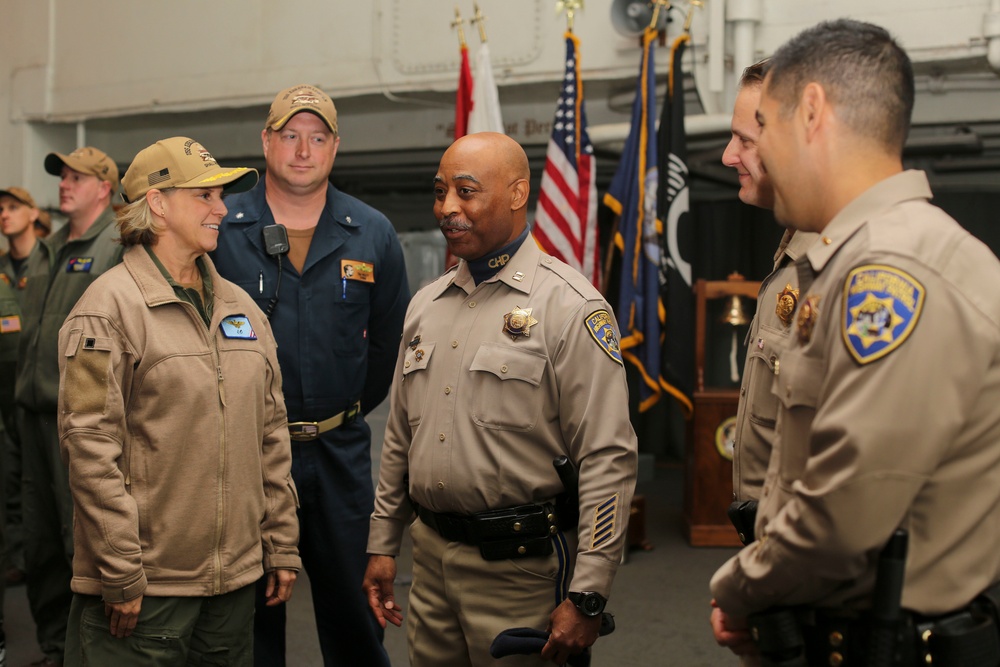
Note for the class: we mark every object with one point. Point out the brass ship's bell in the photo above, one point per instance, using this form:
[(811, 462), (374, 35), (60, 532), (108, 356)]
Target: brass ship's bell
[(734, 314)]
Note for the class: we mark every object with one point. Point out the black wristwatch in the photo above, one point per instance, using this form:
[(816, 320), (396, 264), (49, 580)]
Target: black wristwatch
[(588, 602)]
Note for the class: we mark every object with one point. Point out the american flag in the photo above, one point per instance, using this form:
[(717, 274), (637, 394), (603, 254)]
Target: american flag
[(566, 217)]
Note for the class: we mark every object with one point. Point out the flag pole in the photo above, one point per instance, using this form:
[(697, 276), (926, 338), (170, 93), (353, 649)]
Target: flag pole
[(657, 5), (459, 23), (479, 21), (690, 15), (571, 7)]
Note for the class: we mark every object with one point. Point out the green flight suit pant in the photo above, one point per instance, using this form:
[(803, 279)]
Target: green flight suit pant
[(171, 632), (48, 529)]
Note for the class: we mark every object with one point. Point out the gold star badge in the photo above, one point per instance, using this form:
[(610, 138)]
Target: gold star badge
[(518, 322), (787, 301)]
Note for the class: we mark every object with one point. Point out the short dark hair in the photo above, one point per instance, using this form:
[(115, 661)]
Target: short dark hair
[(865, 74), (754, 75)]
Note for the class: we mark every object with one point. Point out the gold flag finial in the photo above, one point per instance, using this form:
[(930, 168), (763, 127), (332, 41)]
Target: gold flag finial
[(458, 23), (657, 6), (479, 21), (690, 14), (571, 7)]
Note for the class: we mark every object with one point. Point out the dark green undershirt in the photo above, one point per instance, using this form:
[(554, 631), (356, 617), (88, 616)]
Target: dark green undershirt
[(201, 302)]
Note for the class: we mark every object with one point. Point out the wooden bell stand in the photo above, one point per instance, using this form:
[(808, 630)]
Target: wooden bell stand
[(708, 478)]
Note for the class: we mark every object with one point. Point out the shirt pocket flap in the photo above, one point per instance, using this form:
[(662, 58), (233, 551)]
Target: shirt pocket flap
[(798, 380), (508, 363), (417, 359)]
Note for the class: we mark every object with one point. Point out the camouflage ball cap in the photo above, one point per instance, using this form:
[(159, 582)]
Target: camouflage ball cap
[(86, 160), (180, 162), (301, 98)]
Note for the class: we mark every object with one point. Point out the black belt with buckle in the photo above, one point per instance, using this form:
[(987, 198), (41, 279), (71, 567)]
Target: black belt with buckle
[(305, 431), (514, 532)]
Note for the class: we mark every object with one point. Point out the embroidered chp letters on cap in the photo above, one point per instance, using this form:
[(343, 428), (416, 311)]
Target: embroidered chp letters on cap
[(882, 305)]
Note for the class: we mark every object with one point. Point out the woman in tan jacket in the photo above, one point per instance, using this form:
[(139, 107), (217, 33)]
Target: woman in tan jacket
[(173, 426)]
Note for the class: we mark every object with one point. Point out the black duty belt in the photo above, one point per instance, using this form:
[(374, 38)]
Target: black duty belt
[(791, 637), (305, 431), (514, 532)]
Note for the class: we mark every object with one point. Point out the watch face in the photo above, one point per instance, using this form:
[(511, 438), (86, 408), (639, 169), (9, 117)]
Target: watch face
[(592, 605)]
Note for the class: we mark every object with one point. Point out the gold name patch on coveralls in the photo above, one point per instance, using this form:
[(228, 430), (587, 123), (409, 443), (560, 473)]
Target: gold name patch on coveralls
[(352, 269)]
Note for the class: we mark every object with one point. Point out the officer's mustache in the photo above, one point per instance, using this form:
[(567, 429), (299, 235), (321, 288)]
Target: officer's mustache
[(451, 224)]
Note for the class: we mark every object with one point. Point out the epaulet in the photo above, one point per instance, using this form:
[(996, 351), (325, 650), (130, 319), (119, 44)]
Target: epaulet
[(572, 277)]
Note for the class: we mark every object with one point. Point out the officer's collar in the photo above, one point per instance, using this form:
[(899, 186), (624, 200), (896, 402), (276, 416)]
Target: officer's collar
[(489, 265)]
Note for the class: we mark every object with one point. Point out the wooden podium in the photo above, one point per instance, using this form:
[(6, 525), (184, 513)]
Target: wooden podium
[(708, 479)]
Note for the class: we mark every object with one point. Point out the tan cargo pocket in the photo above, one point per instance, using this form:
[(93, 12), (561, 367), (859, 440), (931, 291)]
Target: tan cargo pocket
[(88, 366)]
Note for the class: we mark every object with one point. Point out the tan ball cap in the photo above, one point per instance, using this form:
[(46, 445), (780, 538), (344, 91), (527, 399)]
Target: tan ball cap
[(20, 194), (180, 162), (86, 160), (301, 98)]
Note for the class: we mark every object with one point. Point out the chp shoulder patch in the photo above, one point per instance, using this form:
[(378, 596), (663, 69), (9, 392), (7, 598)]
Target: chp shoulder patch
[(238, 326), (881, 307), (601, 327)]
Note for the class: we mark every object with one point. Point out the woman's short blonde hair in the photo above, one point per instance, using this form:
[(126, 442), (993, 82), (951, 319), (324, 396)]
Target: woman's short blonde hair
[(137, 225)]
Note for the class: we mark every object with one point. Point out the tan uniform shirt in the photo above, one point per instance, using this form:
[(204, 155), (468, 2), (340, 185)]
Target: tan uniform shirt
[(478, 415), (889, 390), (758, 407)]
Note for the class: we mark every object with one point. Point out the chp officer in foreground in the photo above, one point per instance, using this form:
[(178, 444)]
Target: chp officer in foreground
[(335, 292), (878, 429), (506, 363)]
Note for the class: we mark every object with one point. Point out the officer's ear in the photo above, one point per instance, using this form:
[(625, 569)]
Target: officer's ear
[(519, 194)]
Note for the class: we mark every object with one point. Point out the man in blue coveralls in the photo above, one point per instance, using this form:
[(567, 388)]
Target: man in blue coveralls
[(336, 294)]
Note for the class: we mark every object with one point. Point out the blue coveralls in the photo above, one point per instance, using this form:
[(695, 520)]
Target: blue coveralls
[(337, 343)]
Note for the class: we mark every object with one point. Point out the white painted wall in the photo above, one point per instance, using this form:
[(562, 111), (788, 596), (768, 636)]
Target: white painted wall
[(120, 74)]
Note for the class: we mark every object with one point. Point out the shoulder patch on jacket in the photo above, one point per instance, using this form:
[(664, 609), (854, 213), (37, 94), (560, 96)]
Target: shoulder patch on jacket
[(601, 327), (882, 305)]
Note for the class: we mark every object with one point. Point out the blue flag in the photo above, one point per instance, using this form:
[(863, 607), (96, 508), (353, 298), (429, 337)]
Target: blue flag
[(632, 195)]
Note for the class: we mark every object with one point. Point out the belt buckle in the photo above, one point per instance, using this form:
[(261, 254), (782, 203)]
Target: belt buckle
[(303, 431)]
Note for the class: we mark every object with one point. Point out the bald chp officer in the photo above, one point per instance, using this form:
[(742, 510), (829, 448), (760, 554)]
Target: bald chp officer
[(776, 301), (60, 270), (506, 363), (879, 427)]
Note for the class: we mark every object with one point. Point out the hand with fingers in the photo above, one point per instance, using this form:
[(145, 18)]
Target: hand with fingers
[(377, 585), (279, 586), (123, 615)]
